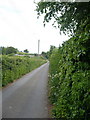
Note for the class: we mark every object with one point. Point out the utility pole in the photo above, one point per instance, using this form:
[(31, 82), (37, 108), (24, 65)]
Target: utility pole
[(38, 46)]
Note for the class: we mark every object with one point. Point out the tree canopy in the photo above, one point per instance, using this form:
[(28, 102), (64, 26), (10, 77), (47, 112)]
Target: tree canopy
[(67, 15), (26, 51), (8, 50)]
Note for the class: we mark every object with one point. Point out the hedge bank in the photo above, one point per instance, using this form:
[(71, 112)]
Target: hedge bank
[(13, 67)]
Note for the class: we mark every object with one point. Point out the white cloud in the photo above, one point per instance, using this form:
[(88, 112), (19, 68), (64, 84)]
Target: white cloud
[(20, 28)]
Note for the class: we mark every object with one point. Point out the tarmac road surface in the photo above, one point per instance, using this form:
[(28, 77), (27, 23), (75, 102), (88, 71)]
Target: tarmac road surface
[(27, 97)]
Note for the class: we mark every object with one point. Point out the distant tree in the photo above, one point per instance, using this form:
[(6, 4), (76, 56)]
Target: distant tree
[(26, 51), (35, 54), (10, 50), (44, 54), (51, 49), (48, 53)]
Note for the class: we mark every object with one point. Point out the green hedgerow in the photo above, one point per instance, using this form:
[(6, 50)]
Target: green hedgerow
[(13, 67), (70, 78)]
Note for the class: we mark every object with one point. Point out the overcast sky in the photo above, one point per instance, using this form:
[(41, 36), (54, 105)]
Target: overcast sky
[(20, 28)]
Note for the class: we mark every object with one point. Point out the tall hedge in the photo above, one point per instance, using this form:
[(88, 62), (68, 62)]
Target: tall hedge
[(70, 77), (13, 67)]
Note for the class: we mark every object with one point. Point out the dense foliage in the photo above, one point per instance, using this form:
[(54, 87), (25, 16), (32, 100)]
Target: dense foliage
[(67, 15), (8, 50), (70, 77), (13, 67), (48, 53), (26, 51), (70, 64)]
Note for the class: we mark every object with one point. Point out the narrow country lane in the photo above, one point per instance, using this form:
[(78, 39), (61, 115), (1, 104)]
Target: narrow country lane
[(27, 97)]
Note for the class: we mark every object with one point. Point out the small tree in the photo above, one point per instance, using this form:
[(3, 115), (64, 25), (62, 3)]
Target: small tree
[(26, 51)]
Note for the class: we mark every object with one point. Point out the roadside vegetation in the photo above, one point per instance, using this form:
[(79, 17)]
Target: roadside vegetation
[(13, 67), (69, 64), (15, 63), (70, 79), (0, 71)]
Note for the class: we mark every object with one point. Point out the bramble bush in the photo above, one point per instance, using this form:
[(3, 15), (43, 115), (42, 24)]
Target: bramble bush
[(70, 77), (13, 67)]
